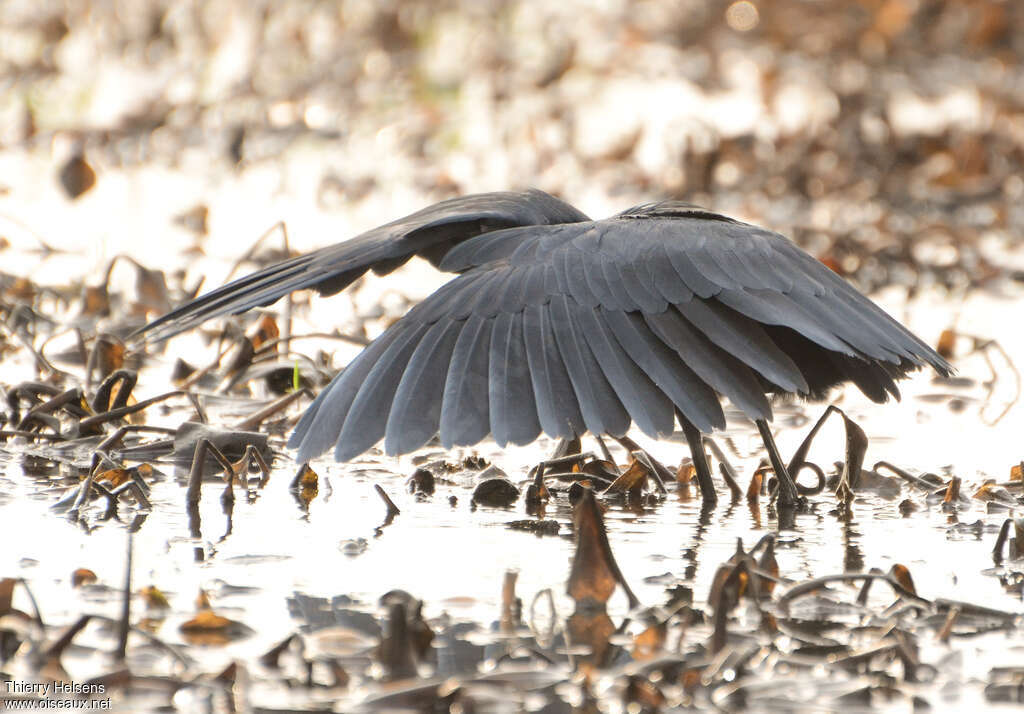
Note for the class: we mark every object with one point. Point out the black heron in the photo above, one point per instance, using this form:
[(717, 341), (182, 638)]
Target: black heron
[(563, 324)]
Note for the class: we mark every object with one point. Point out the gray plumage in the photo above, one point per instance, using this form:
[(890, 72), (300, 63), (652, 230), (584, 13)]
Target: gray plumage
[(561, 324)]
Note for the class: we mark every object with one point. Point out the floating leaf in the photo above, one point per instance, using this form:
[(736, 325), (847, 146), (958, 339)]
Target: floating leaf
[(594, 572), (631, 483), (209, 622)]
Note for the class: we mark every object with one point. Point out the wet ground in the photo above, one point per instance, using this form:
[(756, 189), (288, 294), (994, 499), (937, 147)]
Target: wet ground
[(281, 560), (884, 137)]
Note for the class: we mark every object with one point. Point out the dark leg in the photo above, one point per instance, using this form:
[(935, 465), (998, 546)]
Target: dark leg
[(787, 493), (604, 451), (566, 447), (700, 461)]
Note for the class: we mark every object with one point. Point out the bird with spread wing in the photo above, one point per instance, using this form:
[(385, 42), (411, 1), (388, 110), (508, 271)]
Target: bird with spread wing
[(559, 323)]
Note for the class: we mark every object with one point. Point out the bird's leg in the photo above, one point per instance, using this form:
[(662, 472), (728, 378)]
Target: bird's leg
[(787, 493), (700, 461), (604, 451), (567, 447)]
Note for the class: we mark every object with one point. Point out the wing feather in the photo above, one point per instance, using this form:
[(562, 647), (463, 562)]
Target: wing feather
[(649, 407), (513, 409), (465, 410), (319, 427), (602, 411), (726, 257), (745, 339), (367, 416), (691, 275), (557, 408), (430, 232), (592, 268), (609, 267), (586, 325), (638, 282), (862, 333), (665, 276), (723, 372), (572, 278), (415, 414), (669, 373), (772, 308)]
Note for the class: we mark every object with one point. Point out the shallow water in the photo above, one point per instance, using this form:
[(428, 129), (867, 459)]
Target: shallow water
[(273, 562), (279, 567), (274, 559)]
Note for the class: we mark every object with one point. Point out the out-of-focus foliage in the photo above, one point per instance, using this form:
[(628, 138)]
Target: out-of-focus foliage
[(888, 135)]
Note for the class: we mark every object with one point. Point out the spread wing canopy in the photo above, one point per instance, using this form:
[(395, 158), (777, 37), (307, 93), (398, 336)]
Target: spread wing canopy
[(592, 325), (429, 233)]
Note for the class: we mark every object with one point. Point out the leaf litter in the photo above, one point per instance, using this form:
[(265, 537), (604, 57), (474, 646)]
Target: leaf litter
[(90, 431)]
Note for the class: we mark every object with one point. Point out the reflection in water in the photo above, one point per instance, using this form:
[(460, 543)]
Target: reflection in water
[(430, 545), (592, 579), (853, 558), (589, 630), (692, 554), (406, 636)]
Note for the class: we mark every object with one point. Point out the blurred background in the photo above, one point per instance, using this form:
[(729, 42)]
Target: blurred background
[(887, 136)]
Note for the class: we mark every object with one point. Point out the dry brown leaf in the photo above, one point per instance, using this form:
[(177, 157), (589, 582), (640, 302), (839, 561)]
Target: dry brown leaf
[(154, 598), (631, 482), (649, 643), (265, 331), (946, 343), (115, 477), (902, 575), (83, 576), (206, 621)]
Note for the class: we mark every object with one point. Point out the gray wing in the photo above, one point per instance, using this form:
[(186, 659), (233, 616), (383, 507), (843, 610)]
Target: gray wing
[(596, 324), (429, 233)]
